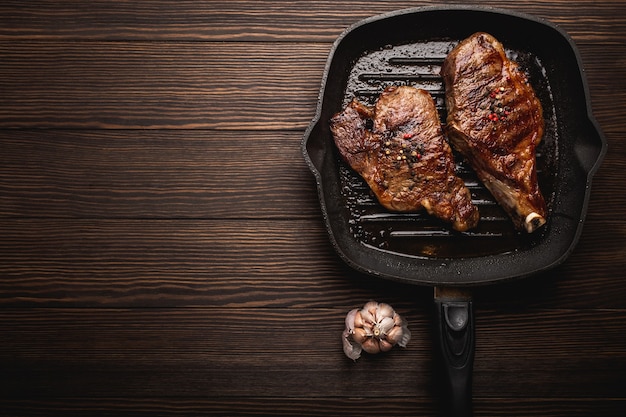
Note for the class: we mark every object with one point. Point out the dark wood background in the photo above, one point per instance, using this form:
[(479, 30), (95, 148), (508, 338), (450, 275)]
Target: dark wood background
[(162, 250)]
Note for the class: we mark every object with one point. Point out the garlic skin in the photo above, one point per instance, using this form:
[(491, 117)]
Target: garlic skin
[(374, 328)]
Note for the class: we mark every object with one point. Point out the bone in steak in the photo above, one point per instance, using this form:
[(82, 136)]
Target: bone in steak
[(398, 147), (495, 120)]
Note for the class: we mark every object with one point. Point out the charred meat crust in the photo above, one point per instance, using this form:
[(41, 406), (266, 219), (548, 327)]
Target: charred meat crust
[(404, 157), (495, 121)]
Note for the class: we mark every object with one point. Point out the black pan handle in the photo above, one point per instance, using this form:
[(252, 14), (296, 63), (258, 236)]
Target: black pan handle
[(455, 340)]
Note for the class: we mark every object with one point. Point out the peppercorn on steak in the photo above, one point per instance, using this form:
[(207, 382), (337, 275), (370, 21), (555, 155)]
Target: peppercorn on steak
[(398, 147), (495, 121)]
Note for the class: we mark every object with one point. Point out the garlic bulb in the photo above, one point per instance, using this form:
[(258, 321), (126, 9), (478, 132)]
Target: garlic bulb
[(374, 328)]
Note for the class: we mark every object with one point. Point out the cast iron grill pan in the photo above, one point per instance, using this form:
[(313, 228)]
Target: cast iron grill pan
[(407, 47)]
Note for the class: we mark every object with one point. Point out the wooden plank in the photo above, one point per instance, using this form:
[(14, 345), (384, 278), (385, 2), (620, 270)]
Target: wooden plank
[(159, 85), (240, 263), (200, 174), (164, 174), (266, 352), (259, 21), (297, 353), (198, 85), (141, 263), (311, 406)]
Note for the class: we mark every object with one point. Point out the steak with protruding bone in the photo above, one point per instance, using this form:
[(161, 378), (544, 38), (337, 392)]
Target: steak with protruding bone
[(398, 147), (495, 120)]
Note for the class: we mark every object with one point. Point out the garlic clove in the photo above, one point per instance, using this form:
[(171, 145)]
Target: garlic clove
[(395, 335), (371, 345), (368, 312), (360, 335), (384, 310), (385, 345), (358, 318), (397, 320), (371, 307), (386, 325)]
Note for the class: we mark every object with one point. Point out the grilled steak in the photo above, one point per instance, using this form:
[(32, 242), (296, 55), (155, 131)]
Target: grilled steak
[(495, 120), (398, 147)]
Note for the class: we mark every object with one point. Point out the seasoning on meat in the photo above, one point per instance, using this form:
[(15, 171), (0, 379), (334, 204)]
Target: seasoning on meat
[(496, 121), (398, 147)]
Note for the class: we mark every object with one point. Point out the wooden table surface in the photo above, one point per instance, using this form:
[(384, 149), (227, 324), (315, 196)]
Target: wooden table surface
[(162, 249)]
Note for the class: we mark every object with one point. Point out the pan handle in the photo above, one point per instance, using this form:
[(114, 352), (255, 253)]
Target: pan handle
[(455, 339)]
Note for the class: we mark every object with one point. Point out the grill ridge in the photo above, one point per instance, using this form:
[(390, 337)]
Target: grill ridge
[(417, 234)]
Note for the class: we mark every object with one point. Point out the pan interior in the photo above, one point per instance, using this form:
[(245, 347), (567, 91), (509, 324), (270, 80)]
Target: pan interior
[(419, 234)]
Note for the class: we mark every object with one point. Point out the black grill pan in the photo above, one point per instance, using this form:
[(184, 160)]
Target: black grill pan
[(407, 47)]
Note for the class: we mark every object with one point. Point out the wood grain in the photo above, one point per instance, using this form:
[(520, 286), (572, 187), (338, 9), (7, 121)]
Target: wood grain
[(295, 21), (240, 263), (173, 406), (162, 250), (179, 355), (179, 173), (197, 85), (159, 85), (201, 174)]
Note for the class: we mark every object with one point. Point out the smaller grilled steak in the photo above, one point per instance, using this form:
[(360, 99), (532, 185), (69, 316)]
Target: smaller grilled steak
[(495, 120), (403, 156)]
